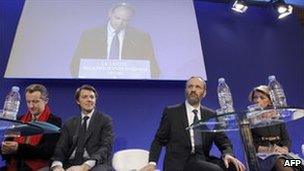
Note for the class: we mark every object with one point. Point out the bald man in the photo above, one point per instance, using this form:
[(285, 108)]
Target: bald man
[(189, 150)]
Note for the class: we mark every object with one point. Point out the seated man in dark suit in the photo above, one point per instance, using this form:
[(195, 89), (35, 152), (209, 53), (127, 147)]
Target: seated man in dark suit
[(32, 152), (86, 140), (130, 43), (189, 150)]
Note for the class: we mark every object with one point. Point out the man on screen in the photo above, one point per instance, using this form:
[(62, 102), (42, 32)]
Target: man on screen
[(116, 40), (189, 150)]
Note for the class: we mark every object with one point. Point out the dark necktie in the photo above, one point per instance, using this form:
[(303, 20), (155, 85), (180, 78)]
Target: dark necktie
[(81, 139), (196, 133), (114, 49)]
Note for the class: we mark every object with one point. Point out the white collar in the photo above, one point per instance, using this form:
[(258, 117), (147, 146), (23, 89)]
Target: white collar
[(89, 114), (111, 30), (190, 107)]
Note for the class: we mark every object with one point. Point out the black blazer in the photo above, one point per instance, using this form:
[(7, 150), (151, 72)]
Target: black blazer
[(173, 135), (99, 139)]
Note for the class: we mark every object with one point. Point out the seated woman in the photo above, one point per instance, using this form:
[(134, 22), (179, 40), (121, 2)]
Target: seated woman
[(272, 140)]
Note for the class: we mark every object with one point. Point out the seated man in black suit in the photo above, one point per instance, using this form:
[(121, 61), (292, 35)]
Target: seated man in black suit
[(189, 150), (32, 152), (116, 40), (86, 140)]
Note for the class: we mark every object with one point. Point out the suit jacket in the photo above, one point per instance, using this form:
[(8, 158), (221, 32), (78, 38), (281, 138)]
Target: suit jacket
[(43, 150), (99, 139), (173, 135), (93, 44)]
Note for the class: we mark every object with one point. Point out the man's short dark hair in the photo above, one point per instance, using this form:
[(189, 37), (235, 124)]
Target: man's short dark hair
[(38, 87), (85, 87)]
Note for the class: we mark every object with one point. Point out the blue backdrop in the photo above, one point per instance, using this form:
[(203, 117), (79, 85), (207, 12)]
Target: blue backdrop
[(245, 49)]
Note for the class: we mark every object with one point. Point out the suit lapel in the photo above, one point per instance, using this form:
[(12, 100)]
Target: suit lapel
[(77, 124), (203, 117), (77, 127), (103, 37), (202, 113), (128, 43), (95, 46), (184, 121), (91, 125)]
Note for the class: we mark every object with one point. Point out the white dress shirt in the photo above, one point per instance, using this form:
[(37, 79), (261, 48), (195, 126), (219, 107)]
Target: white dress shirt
[(190, 116)]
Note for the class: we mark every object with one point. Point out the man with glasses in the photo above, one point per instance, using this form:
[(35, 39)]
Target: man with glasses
[(32, 152)]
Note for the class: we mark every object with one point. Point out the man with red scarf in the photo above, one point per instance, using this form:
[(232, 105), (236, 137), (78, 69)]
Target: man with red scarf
[(28, 153)]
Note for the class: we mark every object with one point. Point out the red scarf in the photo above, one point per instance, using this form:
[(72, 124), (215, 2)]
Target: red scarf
[(34, 164)]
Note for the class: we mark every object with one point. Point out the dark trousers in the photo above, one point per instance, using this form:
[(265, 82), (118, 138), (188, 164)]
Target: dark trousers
[(197, 163)]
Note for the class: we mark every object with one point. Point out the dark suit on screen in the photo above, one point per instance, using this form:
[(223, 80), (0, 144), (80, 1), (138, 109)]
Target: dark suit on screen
[(93, 45), (99, 139), (173, 135)]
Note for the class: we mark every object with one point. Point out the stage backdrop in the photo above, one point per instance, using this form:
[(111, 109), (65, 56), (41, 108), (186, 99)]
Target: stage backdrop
[(244, 49)]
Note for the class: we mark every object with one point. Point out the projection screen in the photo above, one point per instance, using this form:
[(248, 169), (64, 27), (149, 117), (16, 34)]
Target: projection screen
[(157, 40)]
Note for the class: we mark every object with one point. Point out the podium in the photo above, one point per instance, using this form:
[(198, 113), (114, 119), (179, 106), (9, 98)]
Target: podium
[(16, 128), (244, 121)]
